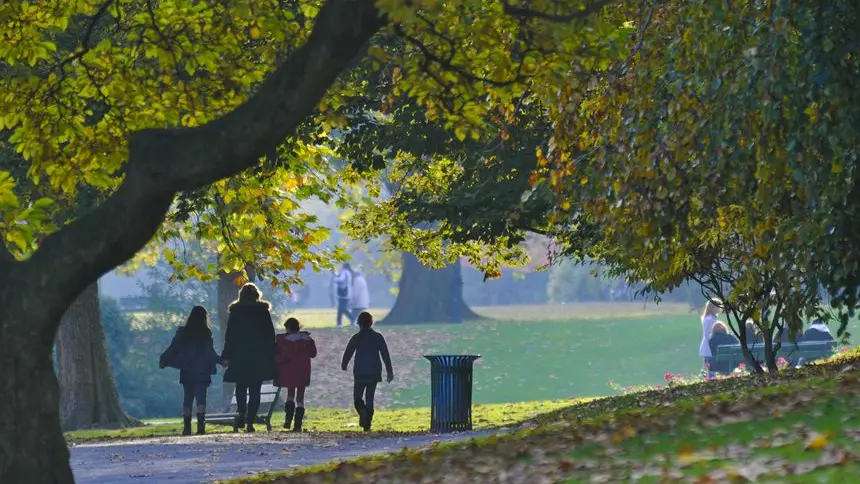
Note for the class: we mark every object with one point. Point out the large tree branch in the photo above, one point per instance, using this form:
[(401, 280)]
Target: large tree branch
[(588, 8), (6, 257), (163, 162)]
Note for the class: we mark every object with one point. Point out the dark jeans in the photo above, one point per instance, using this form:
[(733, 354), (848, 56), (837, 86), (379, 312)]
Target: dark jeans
[(362, 394), (194, 391), (343, 310), (251, 392)]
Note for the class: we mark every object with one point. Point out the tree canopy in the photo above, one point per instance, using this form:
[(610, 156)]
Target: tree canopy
[(101, 71)]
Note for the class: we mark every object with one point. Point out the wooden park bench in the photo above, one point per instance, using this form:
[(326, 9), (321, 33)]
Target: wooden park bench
[(728, 357), (269, 398)]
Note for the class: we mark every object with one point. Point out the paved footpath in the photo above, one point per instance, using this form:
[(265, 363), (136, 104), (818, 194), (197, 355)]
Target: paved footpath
[(224, 456)]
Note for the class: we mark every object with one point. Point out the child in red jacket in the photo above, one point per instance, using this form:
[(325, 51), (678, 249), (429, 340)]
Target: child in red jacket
[(295, 348)]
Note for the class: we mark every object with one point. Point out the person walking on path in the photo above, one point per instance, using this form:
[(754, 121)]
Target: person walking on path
[(709, 317), (368, 346), (360, 297), (294, 351), (249, 352), (192, 352), (343, 292)]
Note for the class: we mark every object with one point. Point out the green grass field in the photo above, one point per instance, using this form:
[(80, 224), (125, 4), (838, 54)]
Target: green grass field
[(527, 353)]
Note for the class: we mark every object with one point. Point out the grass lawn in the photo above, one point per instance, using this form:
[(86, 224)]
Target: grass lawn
[(548, 352), (528, 353), (325, 317), (798, 426), (410, 420)]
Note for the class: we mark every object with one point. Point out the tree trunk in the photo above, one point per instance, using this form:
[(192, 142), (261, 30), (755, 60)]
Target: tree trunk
[(32, 447), (227, 291), (428, 295), (35, 293), (88, 396)]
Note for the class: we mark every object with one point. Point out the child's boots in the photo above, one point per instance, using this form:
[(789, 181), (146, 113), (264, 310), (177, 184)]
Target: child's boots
[(289, 411), (300, 416)]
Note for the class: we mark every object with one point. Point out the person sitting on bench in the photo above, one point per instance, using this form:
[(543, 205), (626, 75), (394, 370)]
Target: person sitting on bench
[(753, 334), (720, 337), (817, 331)]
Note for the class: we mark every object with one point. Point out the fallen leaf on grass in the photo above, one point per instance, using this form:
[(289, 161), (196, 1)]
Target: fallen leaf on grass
[(817, 441)]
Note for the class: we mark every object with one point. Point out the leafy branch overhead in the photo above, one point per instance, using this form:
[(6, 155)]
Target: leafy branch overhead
[(82, 78)]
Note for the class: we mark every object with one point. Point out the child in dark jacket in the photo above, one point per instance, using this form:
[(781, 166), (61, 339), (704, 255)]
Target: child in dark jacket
[(293, 354), (368, 346), (192, 352)]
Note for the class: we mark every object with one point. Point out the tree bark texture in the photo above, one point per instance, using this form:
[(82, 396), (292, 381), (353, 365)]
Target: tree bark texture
[(88, 396), (35, 293), (428, 295)]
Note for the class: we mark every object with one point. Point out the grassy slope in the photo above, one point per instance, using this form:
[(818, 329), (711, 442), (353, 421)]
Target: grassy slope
[(794, 427), (412, 420)]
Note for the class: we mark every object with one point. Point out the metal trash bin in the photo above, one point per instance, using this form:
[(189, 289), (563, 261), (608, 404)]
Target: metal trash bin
[(451, 392)]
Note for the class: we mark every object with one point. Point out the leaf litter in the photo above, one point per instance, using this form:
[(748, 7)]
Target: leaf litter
[(587, 444)]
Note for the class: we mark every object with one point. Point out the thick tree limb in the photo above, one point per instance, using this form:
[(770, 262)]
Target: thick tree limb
[(588, 8), (163, 162), (5, 256)]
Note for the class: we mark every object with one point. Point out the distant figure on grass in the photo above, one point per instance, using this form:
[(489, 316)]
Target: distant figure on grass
[(368, 347), (249, 352), (294, 351), (343, 292), (360, 297), (720, 336), (709, 317), (192, 352), (817, 331)]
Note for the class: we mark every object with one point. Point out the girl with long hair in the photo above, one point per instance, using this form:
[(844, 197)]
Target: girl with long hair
[(709, 318), (192, 352), (249, 352)]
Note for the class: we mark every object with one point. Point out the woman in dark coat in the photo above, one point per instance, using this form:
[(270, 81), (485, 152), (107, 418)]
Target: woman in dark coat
[(249, 352), (368, 347), (192, 352)]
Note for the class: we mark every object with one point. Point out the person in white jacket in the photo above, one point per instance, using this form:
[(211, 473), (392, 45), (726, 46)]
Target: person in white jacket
[(360, 300)]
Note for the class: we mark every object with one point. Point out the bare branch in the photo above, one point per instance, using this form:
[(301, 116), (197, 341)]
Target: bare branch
[(588, 9)]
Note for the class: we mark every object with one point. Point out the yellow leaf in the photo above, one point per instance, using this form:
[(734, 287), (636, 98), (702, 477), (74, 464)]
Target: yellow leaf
[(817, 441), (836, 168), (240, 280), (686, 453), (254, 32), (565, 206)]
